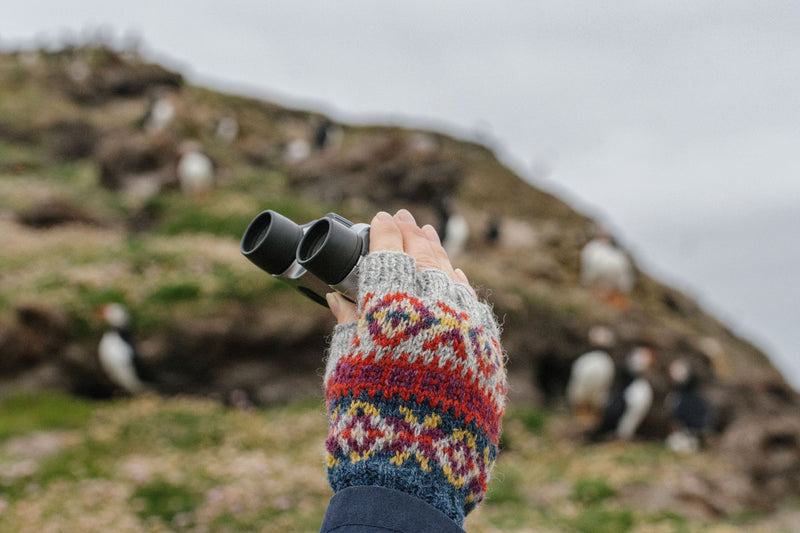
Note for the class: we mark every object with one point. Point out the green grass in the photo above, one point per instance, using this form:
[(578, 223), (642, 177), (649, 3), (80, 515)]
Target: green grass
[(18, 154), (93, 296), (196, 219), (532, 418), (591, 491), (679, 523), (599, 520), (23, 413), (180, 429), (186, 464), (506, 487), (176, 292), (89, 460), (165, 500)]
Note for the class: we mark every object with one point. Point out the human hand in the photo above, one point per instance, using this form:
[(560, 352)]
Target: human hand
[(415, 379), (400, 234)]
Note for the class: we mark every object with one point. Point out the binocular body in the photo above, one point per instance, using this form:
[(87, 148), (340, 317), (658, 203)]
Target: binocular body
[(313, 258)]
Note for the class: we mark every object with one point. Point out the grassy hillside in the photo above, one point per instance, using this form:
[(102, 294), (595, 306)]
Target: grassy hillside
[(158, 465), (169, 256), (74, 238)]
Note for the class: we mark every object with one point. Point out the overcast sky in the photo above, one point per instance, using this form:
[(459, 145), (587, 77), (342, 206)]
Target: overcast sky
[(676, 123)]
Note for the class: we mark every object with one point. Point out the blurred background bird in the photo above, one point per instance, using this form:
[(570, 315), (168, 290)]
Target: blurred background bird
[(117, 353)]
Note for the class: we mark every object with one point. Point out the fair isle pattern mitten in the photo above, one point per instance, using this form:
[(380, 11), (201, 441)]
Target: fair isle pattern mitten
[(416, 388)]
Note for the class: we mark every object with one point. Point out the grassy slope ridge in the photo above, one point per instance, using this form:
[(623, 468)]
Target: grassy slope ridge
[(188, 264)]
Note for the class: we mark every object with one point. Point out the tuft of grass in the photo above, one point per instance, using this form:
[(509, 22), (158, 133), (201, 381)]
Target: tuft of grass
[(26, 412), (165, 501), (679, 523), (505, 488), (195, 219), (182, 429), (176, 292), (245, 289), (645, 454), (533, 419), (598, 520), (89, 460), (94, 296), (591, 491)]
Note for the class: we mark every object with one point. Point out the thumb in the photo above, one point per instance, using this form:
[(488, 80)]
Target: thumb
[(343, 309)]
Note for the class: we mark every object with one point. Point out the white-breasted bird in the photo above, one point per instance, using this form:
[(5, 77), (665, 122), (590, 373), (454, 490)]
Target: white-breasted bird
[(195, 170), (591, 377), (605, 267), (160, 112), (297, 150), (628, 408), (456, 235), (590, 381), (118, 357)]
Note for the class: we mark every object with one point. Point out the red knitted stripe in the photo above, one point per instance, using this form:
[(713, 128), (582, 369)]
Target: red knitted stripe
[(440, 387)]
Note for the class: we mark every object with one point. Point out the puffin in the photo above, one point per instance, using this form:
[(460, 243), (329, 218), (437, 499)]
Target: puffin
[(118, 356), (456, 235), (195, 170), (692, 415), (297, 150), (452, 227), (591, 377), (606, 268), (160, 112), (589, 384), (627, 409)]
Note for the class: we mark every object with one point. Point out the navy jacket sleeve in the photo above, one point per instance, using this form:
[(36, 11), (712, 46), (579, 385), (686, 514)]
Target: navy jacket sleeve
[(381, 510)]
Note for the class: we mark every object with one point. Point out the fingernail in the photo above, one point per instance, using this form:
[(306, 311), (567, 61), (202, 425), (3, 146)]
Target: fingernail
[(384, 216), (430, 233), (333, 302), (462, 277), (405, 216)]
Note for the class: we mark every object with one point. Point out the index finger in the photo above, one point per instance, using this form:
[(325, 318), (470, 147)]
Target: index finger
[(384, 234)]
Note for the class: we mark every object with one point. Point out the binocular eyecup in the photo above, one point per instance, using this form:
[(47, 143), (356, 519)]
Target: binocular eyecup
[(314, 258), (270, 242)]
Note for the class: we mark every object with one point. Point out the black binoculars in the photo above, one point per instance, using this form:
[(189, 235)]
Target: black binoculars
[(315, 258)]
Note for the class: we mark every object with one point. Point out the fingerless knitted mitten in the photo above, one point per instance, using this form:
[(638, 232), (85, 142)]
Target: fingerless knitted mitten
[(415, 389)]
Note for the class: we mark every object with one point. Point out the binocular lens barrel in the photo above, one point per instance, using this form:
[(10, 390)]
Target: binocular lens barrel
[(329, 250), (270, 242)]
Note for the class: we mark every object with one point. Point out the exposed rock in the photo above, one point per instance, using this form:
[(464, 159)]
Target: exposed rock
[(54, 212), (17, 133), (700, 496), (92, 76), (767, 450), (126, 159), (383, 168), (38, 336), (69, 140)]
